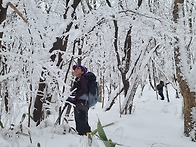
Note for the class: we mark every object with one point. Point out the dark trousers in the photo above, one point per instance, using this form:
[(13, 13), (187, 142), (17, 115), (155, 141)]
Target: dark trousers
[(81, 119), (162, 96)]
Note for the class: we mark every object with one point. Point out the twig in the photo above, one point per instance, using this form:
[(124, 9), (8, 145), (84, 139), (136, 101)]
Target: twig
[(17, 11)]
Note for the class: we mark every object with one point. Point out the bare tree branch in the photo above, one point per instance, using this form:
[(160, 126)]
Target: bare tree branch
[(17, 11)]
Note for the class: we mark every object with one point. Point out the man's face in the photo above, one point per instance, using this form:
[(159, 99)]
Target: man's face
[(78, 72)]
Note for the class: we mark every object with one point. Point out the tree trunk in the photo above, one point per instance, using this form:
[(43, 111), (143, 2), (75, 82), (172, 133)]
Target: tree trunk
[(125, 84), (3, 12), (189, 108), (102, 95), (130, 96), (125, 61), (61, 45), (139, 3), (188, 95), (37, 113), (127, 56), (3, 69), (189, 101), (167, 93)]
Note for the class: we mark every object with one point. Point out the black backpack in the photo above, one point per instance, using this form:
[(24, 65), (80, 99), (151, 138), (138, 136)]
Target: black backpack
[(93, 92)]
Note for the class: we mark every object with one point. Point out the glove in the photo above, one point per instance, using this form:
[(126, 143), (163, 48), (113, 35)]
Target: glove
[(71, 100)]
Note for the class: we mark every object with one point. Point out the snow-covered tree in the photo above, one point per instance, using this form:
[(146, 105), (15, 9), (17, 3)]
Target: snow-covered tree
[(185, 62), (125, 43)]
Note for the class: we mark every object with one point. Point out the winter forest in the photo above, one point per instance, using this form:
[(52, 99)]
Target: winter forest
[(128, 44)]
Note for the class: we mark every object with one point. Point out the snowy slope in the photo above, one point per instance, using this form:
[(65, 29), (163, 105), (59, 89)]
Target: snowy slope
[(154, 123)]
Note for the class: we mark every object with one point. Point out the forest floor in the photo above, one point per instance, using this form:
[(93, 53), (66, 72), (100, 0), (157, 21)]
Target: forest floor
[(153, 123)]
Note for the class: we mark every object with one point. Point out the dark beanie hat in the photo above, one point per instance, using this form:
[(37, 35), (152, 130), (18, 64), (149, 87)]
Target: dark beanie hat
[(83, 68)]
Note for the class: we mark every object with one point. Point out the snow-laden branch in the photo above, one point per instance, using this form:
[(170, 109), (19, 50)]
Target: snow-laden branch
[(7, 76), (138, 68), (145, 61), (163, 73), (15, 55)]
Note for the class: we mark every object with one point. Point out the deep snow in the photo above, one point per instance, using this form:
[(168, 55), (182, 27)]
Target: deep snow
[(154, 123)]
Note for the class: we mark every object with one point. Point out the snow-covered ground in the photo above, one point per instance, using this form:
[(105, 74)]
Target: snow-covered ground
[(154, 123)]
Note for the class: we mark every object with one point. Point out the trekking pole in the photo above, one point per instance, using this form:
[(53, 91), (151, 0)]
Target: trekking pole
[(68, 101), (59, 118)]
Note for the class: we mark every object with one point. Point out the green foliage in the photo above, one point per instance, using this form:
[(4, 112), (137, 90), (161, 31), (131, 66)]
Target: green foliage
[(95, 131), (23, 117), (100, 133)]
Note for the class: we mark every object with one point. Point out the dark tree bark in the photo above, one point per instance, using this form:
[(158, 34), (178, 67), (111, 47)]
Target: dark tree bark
[(188, 95), (60, 45), (124, 62), (139, 3), (127, 56), (3, 12), (108, 2), (4, 90), (37, 113)]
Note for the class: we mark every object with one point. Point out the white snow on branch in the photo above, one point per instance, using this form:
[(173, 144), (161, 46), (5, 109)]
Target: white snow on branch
[(9, 75)]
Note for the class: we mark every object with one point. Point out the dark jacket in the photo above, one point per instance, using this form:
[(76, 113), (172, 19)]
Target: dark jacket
[(80, 86), (160, 87)]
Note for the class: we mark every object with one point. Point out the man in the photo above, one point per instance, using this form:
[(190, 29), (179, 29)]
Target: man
[(160, 89), (81, 104)]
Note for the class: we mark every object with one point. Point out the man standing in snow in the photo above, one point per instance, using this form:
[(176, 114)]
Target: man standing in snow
[(81, 104), (160, 89)]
